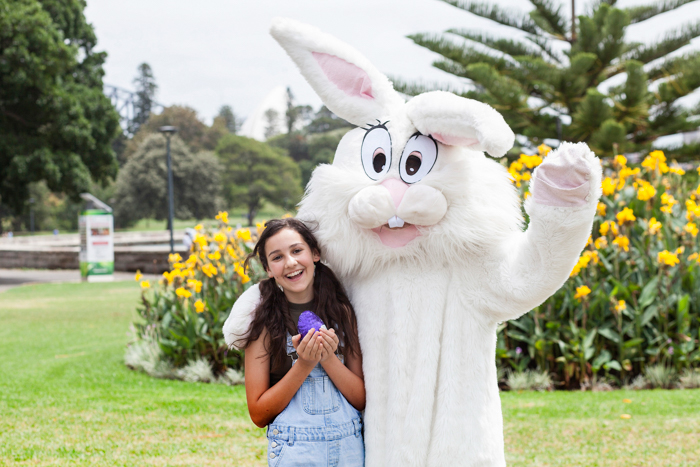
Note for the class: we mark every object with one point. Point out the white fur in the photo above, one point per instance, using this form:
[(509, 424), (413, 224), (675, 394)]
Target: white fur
[(428, 312)]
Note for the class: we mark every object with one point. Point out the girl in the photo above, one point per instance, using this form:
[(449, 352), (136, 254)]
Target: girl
[(308, 390)]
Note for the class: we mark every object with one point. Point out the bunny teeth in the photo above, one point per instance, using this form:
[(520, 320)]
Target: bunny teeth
[(395, 222)]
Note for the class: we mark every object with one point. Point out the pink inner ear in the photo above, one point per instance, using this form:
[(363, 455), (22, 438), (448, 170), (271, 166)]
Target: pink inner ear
[(454, 140), (349, 78)]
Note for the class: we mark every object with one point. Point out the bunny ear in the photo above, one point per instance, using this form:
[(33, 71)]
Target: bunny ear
[(349, 85), (457, 121)]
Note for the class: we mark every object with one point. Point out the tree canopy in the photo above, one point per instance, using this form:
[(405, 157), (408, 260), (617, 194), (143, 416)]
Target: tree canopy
[(55, 122), (547, 84), (255, 173), (142, 188)]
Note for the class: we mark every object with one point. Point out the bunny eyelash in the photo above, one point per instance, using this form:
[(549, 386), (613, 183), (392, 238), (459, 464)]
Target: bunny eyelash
[(378, 125)]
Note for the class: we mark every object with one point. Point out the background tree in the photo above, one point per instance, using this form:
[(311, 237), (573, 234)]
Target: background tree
[(255, 173), (142, 190), (296, 115), (324, 120), (548, 84), (190, 129), (146, 87), (271, 123), (55, 122), (230, 119)]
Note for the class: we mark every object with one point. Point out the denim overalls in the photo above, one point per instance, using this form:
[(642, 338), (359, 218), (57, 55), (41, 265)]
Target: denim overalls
[(319, 427)]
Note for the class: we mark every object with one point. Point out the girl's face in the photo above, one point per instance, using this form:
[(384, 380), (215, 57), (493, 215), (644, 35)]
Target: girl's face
[(290, 262)]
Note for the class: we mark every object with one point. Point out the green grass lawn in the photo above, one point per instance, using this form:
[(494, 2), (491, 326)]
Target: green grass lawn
[(67, 399)]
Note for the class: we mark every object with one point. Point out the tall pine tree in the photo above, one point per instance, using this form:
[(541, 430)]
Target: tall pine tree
[(546, 84)]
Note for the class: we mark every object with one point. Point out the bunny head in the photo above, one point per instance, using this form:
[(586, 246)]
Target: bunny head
[(411, 183)]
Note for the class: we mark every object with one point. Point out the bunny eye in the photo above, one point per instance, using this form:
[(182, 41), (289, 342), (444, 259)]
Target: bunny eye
[(376, 152), (418, 158)]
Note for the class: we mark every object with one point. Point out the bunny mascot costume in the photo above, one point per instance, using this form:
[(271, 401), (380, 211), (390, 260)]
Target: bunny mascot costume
[(426, 234)]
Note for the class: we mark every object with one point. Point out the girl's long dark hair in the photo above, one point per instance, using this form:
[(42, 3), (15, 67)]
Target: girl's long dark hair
[(330, 303)]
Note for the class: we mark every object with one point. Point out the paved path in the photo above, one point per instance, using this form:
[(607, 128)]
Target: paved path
[(10, 278)]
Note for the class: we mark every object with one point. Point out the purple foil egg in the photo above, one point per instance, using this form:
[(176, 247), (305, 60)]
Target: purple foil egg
[(307, 321)]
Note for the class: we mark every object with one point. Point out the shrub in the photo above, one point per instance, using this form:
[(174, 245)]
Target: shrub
[(180, 335), (661, 376), (529, 380), (633, 297), (690, 379)]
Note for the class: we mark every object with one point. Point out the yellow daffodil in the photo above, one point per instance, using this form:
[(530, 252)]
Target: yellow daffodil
[(201, 240), (138, 275), (530, 161), (601, 209), (654, 226), (620, 160), (676, 170), (543, 149), (694, 257), (667, 258), (191, 260), (145, 284), (645, 190), (219, 237), (604, 228), (656, 160), (199, 306), (286, 215), (222, 216), (222, 267), (627, 172), (691, 228), (174, 257), (680, 250), (183, 292), (693, 209), (582, 291), (244, 234), (621, 305), (216, 256), (626, 215), (180, 265), (592, 255), (195, 284), (260, 226), (526, 195), (198, 227), (600, 242), (609, 186), (209, 270), (590, 240), (622, 242)]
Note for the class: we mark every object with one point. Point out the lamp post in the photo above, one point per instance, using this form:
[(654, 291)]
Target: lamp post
[(168, 131), (31, 216)]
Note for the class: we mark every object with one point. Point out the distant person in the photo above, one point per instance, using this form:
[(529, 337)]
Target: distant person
[(188, 237), (55, 231)]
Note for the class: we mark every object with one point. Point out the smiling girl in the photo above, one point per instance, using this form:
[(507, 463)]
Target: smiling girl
[(308, 390)]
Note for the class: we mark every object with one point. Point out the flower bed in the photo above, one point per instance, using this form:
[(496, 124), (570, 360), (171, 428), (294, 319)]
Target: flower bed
[(633, 297)]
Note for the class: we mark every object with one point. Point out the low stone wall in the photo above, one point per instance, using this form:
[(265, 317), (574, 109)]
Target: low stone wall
[(147, 252)]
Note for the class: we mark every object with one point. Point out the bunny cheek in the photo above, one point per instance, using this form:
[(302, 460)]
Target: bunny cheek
[(373, 208)]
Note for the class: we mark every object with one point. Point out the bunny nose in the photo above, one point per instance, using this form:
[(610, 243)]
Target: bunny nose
[(396, 188)]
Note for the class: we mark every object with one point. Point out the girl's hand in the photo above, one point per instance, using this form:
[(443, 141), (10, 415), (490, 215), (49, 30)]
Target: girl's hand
[(330, 343), (310, 349)]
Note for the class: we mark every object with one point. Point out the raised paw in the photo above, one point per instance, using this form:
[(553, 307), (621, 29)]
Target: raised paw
[(564, 178)]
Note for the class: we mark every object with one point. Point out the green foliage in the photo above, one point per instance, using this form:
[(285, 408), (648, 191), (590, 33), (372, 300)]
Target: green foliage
[(555, 70), (142, 189), (146, 88), (184, 313), (190, 129), (632, 299), (55, 122), (253, 173)]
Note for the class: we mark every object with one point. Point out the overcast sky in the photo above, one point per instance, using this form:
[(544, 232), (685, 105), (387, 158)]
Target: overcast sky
[(208, 53)]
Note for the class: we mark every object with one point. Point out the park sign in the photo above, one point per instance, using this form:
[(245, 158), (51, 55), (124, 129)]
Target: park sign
[(96, 245)]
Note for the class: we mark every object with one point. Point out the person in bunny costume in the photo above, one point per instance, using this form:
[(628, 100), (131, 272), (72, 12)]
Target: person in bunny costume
[(426, 234)]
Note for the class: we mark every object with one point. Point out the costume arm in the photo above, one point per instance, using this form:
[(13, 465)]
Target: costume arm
[(238, 321), (565, 190)]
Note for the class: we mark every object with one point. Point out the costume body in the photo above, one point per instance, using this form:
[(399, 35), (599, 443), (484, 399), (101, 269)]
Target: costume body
[(426, 234), (318, 427)]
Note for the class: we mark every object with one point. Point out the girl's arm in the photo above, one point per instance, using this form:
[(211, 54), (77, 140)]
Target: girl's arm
[(265, 402), (349, 379)]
